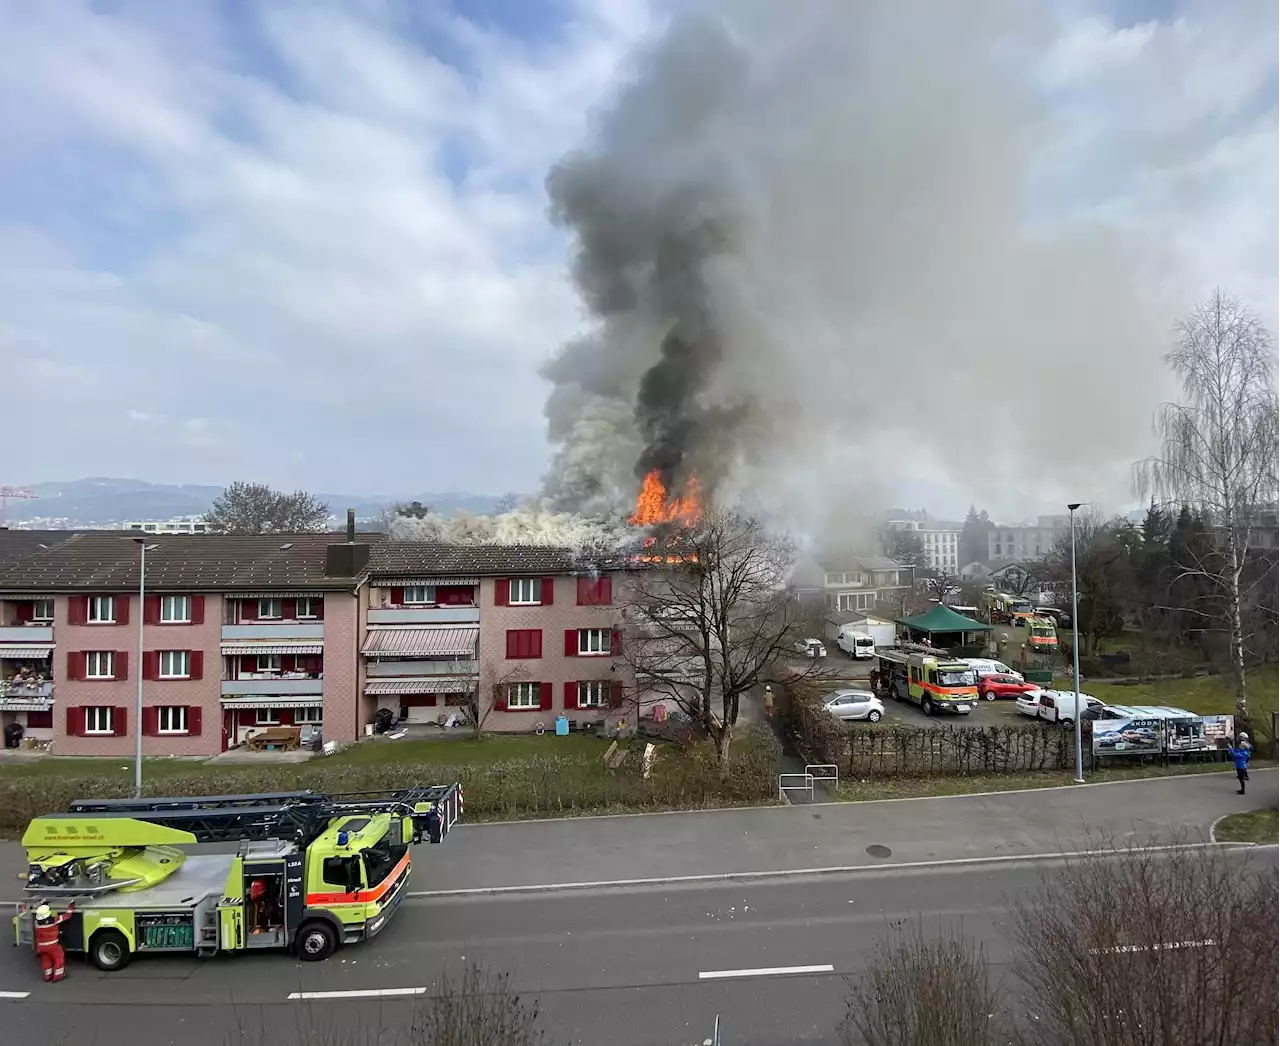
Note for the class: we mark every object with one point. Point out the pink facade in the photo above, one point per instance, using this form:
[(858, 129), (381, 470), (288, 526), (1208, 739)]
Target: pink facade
[(342, 675)]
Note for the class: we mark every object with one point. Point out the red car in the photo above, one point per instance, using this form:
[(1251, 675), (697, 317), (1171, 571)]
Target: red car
[(995, 686)]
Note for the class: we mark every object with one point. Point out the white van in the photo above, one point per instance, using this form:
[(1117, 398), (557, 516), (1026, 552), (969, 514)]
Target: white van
[(985, 666), (858, 645)]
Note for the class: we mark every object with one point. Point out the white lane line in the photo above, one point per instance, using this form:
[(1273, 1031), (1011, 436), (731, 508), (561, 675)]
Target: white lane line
[(1123, 949), (371, 993), (768, 971), (14, 995)]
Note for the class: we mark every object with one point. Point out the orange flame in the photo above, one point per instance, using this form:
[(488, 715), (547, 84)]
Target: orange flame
[(652, 505)]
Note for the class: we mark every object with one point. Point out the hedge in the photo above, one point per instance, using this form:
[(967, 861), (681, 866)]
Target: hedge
[(542, 786)]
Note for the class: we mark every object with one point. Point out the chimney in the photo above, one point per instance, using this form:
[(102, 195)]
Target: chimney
[(349, 558)]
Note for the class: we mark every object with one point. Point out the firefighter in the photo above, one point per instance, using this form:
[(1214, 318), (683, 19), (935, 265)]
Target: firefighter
[(48, 928)]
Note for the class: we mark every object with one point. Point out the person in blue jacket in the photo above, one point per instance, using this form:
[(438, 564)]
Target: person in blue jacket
[(1240, 756)]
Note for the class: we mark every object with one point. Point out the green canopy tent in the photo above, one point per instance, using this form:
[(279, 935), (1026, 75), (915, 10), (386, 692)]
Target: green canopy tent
[(941, 620)]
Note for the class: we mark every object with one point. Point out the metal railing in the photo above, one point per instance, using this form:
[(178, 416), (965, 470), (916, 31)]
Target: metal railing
[(829, 772), (784, 787)]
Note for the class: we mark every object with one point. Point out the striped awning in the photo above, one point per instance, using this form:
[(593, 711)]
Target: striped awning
[(273, 648), (274, 595), (407, 582), (25, 704), (261, 701), (421, 642), (26, 649), (437, 685)]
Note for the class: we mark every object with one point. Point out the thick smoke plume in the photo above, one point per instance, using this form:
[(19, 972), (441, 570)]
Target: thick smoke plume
[(802, 230)]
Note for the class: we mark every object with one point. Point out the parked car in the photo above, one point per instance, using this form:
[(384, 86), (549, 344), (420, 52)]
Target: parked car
[(1058, 706), (1029, 703), (1002, 685), (854, 704), (811, 647), (985, 666)]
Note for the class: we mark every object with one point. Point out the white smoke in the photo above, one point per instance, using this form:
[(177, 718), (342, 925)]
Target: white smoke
[(527, 525)]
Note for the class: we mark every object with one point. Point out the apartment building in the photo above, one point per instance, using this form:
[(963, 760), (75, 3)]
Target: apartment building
[(843, 581), (1023, 543), (940, 540)]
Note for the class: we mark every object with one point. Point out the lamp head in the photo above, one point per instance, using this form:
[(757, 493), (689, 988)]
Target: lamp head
[(1074, 505)]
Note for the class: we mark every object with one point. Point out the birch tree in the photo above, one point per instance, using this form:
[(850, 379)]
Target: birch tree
[(1218, 450)]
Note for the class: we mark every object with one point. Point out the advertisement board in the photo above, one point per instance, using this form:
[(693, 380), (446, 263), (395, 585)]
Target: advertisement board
[(1128, 736), (1217, 729)]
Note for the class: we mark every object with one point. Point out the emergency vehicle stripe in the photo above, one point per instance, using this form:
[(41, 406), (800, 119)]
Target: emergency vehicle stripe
[(375, 893), (949, 691)]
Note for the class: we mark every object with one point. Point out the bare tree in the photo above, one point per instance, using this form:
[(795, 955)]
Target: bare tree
[(479, 1008), (474, 708), (940, 583), (255, 508), (509, 502), (924, 991), (1219, 448), (712, 618), (1103, 572)]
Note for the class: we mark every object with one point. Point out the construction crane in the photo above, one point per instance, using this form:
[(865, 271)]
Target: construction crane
[(12, 492)]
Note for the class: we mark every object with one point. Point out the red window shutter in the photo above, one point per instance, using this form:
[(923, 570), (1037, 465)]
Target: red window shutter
[(193, 720), (122, 610), (548, 591), (544, 697), (570, 696), (40, 720), (75, 722), (615, 695), (397, 597), (513, 642), (584, 591), (150, 721), (75, 665), (285, 715), (570, 642), (120, 721), (615, 643), (248, 610), (502, 592), (499, 698), (318, 607), (535, 642), (248, 662), (26, 612), (150, 664), (78, 613), (288, 608), (196, 661), (197, 610), (605, 588), (151, 610), (121, 666)]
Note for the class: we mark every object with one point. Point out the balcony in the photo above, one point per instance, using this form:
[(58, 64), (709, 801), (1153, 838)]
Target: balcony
[(26, 635), (423, 668), (275, 631), (424, 616), (271, 687), (25, 697)]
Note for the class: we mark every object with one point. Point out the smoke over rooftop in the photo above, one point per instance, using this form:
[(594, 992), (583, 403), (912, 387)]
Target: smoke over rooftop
[(803, 235)]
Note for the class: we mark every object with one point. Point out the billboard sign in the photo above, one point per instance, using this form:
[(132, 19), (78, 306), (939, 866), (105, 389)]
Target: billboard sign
[(1218, 730), (1128, 736)]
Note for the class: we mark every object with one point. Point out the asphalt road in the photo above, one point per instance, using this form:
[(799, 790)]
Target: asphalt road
[(619, 966)]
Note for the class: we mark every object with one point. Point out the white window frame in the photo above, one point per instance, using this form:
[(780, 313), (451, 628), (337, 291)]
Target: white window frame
[(266, 717), (36, 615), (270, 602), (593, 693), (102, 718), (168, 715), (419, 595), (585, 635), (175, 610), (169, 660), (311, 715), (524, 696), (311, 602), (100, 664), (102, 610), (274, 663), (835, 578), (518, 595)]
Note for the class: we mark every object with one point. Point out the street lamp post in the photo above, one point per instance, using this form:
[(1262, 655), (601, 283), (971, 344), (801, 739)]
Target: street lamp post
[(1075, 642), (143, 549)]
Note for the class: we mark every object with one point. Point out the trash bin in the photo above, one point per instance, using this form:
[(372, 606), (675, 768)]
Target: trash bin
[(659, 713), (562, 726)]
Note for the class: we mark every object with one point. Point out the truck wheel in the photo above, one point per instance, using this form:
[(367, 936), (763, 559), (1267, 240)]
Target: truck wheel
[(109, 951), (316, 941), (927, 706)]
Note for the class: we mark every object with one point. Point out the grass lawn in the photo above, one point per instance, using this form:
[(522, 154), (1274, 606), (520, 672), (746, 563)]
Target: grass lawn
[(495, 748), (1256, 826), (52, 766), (1204, 695), (910, 788)]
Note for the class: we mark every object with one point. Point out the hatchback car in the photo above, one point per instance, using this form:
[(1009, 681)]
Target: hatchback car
[(1029, 703), (854, 704), (811, 647), (1002, 685)]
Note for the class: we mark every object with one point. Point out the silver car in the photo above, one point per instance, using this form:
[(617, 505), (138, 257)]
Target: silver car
[(854, 704)]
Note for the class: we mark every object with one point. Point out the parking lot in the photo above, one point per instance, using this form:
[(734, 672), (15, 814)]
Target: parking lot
[(1002, 712)]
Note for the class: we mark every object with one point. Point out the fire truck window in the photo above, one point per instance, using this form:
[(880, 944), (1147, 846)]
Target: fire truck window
[(343, 872)]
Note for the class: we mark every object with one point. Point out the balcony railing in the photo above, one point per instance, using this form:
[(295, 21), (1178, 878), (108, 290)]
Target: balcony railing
[(240, 687), (422, 667), (281, 631), (25, 634), (26, 691), (424, 615)]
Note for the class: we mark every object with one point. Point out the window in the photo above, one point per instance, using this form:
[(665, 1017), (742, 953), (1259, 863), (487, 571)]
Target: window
[(175, 610), (42, 610), (308, 606), (593, 641), (835, 579), (171, 719), (266, 717), (524, 695), (175, 664), (98, 719), (524, 642), (593, 694), (312, 715), (855, 600), (268, 662), (420, 594), (268, 608), (102, 610), (595, 591), (997, 548), (100, 664), (525, 590)]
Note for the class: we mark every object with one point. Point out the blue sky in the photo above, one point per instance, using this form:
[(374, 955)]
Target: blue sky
[(307, 243)]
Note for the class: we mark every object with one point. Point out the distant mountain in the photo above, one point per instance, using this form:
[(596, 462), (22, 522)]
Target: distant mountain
[(101, 499)]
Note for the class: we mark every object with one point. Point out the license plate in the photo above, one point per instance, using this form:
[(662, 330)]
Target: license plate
[(962, 708)]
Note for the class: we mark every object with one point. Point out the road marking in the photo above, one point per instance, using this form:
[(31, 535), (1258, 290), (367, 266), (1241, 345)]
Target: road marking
[(768, 971), (1122, 949), (371, 993), (14, 995)]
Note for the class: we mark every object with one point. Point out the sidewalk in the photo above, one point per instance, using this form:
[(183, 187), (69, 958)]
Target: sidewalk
[(605, 849)]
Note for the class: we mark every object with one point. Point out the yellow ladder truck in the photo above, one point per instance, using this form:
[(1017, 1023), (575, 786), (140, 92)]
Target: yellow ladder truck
[(310, 873)]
